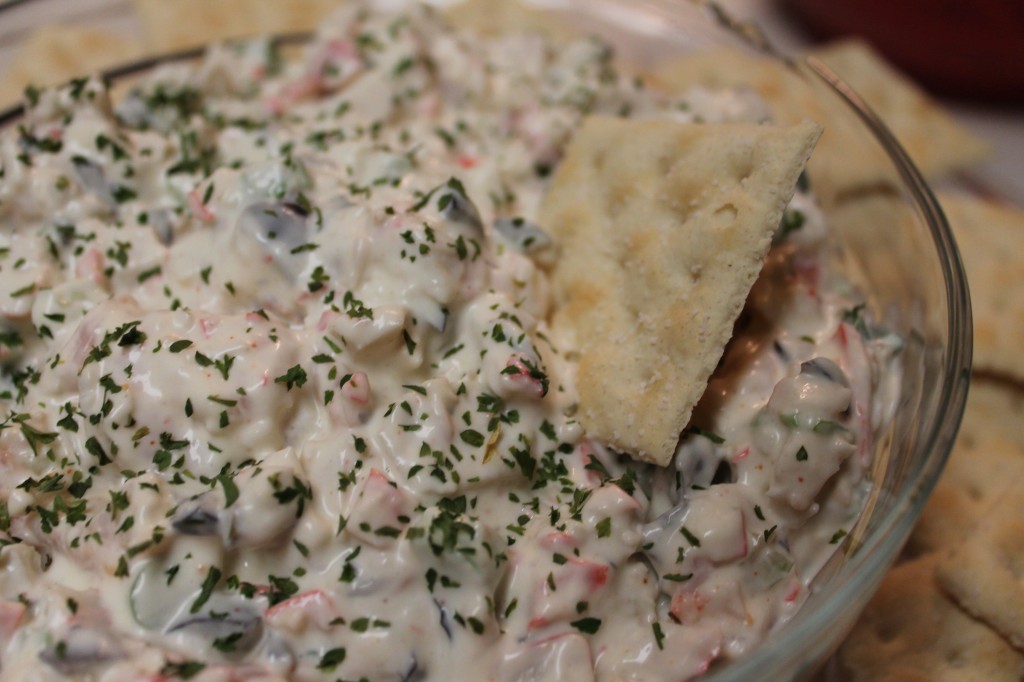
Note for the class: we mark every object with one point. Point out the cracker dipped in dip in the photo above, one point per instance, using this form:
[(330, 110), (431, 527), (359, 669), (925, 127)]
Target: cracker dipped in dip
[(307, 368)]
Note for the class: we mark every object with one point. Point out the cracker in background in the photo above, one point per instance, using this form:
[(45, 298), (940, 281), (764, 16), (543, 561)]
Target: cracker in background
[(55, 54), (985, 572), (490, 17), (663, 228), (176, 24), (847, 160), (936, 143), (911, 631), (991, 240), (987, 459)]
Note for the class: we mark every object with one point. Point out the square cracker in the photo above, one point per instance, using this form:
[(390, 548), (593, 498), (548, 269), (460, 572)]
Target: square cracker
[(177, 24), (55, 54), (663, 228), (914, 118), (985, 572), (991, 239), (911, 631), (987, 459), (847, 160)]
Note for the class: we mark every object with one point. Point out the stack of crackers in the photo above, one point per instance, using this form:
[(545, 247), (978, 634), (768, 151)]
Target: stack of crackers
[(953, 606)]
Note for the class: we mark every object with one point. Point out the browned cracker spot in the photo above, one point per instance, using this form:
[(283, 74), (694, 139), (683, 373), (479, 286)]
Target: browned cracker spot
[(911, 631), (991, 239), (985, 572), (663, 227), (987, 458)]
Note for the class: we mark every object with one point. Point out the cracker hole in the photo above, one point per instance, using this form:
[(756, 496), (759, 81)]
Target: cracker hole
[(725, 216), (615, 200)]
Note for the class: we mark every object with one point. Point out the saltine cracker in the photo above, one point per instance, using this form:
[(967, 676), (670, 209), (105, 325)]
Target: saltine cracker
[(911, 631), (488, 17), (55, 54), (848, 161), (911, 115), (983, 573), (987, 458), (663, 227), (991, 239)]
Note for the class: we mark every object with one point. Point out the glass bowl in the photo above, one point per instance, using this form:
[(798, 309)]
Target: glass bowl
[(905, 263)]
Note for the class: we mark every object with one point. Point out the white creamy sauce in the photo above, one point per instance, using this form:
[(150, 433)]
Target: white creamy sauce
[(279, 401)]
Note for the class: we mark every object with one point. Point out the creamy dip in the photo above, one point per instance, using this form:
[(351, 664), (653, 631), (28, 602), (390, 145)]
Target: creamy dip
[(280, 402)]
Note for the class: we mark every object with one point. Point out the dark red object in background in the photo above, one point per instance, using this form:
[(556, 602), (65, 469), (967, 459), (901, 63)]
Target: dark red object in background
[(968, 49)]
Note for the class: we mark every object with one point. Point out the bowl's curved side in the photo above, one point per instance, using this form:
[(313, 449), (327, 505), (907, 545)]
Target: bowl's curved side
[(932, 411)]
